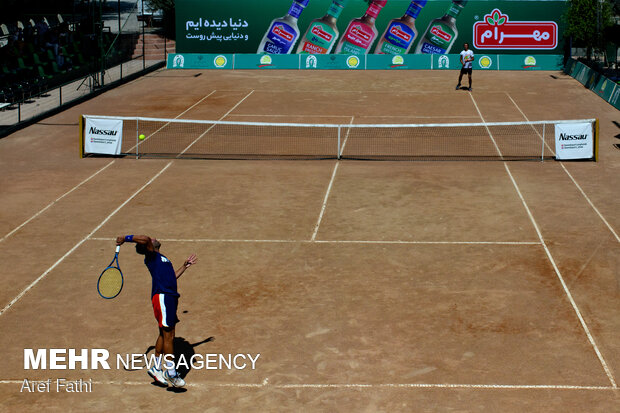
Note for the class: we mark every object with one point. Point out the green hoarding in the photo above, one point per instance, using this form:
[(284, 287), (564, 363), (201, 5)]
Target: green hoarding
[(490, 27), (605, 88), (365, 62)]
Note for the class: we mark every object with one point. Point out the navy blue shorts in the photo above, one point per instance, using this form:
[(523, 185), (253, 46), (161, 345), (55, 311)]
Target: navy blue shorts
[(165, 309)]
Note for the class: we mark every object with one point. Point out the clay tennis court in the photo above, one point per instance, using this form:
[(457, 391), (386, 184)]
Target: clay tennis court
[(365, 286)]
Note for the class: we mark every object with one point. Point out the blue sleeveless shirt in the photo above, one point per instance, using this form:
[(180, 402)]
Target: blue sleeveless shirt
[(162, 273)]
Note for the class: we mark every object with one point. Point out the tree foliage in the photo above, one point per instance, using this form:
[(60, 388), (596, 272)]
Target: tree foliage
[(586, 20), (161, 4)]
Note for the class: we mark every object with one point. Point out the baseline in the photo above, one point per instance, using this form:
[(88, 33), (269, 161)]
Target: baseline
[(266, 384)]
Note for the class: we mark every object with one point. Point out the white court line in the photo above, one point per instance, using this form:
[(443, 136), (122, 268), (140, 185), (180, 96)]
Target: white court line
[(83, 182), (329, 188), (176, 117), (54, 202), (35, 282), (615, 234), (212, 126), (557, 271), (487, 128), (564, 286), (266, 384), (347, 116), (293, 241), (346, 138)]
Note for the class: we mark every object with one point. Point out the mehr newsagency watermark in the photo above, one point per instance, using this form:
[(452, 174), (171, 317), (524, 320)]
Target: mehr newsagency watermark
[(57, 359)]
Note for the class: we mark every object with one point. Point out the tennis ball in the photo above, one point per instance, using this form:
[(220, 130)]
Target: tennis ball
[(142, 137)]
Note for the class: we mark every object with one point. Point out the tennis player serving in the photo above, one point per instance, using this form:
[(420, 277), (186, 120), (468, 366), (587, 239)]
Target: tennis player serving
[(165, 298)]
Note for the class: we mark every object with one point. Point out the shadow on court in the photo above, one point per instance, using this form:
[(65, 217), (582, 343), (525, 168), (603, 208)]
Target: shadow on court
[(181, 347)]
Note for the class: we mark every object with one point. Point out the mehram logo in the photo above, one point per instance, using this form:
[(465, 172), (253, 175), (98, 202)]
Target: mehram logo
[(95, 131), (567, 137)]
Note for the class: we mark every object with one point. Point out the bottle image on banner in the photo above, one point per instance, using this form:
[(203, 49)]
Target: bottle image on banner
[(400, 33), (441, 33), (283, 32), (361, 33), (322, 33)]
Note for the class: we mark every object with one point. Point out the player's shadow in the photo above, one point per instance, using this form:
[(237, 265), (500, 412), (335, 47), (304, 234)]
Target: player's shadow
[(185, 348)]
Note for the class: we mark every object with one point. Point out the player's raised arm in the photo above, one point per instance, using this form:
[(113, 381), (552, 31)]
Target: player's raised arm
[(191, 260), (138, 239)]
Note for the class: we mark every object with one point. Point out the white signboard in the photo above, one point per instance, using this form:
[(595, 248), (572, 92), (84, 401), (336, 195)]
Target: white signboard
[(574, 141), (103, 136)]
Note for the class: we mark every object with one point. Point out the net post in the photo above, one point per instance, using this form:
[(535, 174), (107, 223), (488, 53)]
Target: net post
[(137, 138), (596, 132), (542, 153), (81, 136), (338, 153)]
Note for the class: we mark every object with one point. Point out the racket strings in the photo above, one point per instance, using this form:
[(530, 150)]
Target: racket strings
[(110, 283)]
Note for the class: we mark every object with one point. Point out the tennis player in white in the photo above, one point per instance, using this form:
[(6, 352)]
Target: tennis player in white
[(467, 60)]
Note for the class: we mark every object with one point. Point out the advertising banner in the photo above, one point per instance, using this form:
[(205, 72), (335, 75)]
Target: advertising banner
[(103, 136), (363, 62), (574, 141), (353, 27)]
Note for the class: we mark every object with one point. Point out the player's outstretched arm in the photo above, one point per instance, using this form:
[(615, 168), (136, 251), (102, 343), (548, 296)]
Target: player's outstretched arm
[(191, 260), (138, 239)]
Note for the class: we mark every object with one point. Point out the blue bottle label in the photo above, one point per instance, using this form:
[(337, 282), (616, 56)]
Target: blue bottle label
[(280, 39), (432, 49), (399, 35)]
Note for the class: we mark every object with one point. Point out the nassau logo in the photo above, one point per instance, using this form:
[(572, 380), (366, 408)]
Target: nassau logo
[(496, 31), (220, 61), (485, 62), (353, 62)]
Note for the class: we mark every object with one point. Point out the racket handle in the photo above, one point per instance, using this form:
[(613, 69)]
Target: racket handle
[(118, 248)]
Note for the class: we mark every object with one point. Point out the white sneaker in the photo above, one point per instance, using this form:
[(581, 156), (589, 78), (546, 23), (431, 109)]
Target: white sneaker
[(176, 381), (157, 375)]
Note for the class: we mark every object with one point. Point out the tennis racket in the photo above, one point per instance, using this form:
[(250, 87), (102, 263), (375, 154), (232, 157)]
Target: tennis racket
[(110, 281)]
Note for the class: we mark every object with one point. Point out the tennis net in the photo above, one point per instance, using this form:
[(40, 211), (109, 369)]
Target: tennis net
[(203, 139)]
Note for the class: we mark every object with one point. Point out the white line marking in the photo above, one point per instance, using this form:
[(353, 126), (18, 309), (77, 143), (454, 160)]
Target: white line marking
[(265, 383), (329, 188), (54, 202), (212, 126), (615, 234), (557, 271), (347, 116), (176, 117), (35, 282), (564, 286), (487, 128), (347, 135), (292, 241)]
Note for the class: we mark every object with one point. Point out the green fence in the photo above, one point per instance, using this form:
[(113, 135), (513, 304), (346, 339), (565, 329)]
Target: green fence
[(365, 62), (605, 88)]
